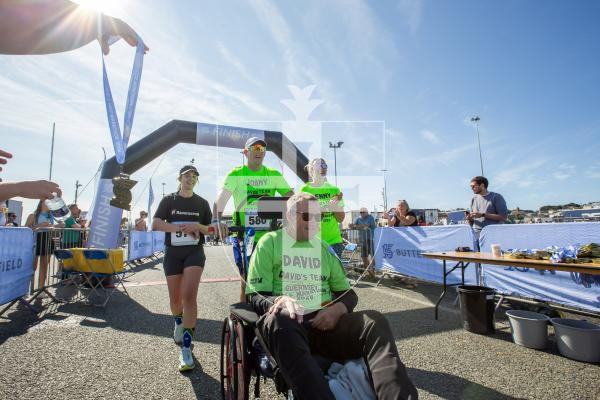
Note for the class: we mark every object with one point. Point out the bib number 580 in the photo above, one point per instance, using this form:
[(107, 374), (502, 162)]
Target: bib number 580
[(255, 220)]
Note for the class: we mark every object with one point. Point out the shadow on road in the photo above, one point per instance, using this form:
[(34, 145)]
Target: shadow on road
[(451, 387)]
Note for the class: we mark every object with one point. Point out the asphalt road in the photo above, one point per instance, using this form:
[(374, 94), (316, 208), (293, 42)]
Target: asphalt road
[(126, 351)]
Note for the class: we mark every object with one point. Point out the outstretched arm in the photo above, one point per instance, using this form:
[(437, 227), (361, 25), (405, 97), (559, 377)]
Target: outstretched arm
[(54, 26)]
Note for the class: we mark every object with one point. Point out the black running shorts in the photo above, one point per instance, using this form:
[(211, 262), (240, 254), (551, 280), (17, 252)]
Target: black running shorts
[(178, 257)]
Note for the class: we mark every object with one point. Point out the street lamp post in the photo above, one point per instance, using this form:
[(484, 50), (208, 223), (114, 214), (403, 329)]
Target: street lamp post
[(335, 146), (163, 185), (476, 119), (384, 191), (77, 186)]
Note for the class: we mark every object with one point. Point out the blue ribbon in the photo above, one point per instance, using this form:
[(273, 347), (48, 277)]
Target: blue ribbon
[(120, 142)]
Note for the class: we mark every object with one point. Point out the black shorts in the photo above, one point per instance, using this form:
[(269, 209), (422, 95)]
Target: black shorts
[(44, 245), (178, 257)]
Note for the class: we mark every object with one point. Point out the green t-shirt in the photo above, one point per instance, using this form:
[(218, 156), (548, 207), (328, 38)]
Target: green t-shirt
[(306, 271), (330, 229), (246, 187), (70, 236)]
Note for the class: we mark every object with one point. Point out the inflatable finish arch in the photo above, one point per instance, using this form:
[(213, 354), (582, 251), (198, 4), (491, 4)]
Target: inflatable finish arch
[(106, 219)]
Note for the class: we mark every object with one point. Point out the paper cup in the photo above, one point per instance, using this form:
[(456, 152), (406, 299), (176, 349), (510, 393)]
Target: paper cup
[(496, 250)]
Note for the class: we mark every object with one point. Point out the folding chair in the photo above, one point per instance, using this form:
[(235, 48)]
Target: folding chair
[(101, 265), (347, 257)]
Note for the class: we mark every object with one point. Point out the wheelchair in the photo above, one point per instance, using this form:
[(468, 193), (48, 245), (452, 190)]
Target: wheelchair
[(244, 354)]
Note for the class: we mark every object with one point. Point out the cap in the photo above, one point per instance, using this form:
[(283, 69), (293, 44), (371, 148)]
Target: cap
[(187, 169), (364, 209), (254, 140)]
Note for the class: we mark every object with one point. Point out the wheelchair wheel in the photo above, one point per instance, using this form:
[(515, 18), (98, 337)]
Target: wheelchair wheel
[(235, 377)]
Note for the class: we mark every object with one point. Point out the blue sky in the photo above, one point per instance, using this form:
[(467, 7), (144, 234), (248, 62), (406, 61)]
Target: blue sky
[(529, 69)]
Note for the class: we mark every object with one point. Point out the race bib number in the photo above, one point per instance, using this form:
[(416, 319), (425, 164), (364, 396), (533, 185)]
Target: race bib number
[(181, 239), (252, 220)]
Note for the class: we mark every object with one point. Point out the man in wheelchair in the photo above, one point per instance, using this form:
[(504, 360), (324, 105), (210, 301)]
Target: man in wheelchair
[(297, 285)]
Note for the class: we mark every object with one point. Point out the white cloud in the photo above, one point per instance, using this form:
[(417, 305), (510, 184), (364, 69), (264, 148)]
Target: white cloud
[(564, 171), (412, 11), (524, 175), (430, 136), (593, 170), (233, 60)]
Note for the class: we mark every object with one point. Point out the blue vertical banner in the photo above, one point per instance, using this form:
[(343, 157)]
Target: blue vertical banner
[(150, 202), (16, 262)]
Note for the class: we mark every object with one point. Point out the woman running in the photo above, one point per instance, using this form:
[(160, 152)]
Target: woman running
[(185, 217)]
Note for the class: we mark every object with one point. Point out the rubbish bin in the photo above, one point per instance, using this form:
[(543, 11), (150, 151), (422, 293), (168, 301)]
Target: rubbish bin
[(477, 308)]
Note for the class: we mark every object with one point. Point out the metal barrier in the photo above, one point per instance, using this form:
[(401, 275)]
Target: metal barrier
[(357, 258), (48, 268)]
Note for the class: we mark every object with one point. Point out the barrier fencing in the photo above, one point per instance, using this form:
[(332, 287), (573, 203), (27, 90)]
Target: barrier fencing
[(398, 251), (28, 264)]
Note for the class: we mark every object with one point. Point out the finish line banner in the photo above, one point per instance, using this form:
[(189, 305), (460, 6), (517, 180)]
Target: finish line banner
[(399, 250), (16, 262), (568, 288)]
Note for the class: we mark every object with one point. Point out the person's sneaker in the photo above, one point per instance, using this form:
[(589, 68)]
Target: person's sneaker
[(186, 361), (178, 333)]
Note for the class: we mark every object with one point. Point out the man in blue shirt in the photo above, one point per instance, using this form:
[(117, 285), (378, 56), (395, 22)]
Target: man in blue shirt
[(366, 225)]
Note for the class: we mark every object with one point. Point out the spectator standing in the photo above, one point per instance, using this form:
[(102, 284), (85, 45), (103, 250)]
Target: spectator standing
[(3, 213), (40, 221), (402, 215), (11, 220), (366, 225), (73, 236), (487, 208), (140, 223)]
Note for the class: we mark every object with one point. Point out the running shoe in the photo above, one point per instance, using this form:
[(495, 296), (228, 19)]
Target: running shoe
[(186, 361), (178, 333)]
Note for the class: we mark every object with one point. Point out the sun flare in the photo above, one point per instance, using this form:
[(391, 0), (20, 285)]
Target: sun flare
[(104, 6)]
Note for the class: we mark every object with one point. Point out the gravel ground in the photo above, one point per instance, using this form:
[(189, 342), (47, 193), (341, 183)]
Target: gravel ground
[(126, 350)]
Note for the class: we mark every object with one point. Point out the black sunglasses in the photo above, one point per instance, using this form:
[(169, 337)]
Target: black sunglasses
[(307, 216)]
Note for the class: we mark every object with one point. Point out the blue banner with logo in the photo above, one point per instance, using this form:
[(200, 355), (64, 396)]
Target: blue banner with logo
[(399, 250), (568, 288), (140, 245), (158, 241), (16, 262)]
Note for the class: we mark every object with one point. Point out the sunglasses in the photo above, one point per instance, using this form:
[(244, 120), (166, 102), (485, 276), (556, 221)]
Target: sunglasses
[(308, 216), (257, 148)]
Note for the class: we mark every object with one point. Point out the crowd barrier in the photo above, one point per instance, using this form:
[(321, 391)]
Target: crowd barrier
[(567, 288), (398, 250), (28, 264), (145, 244), (16, 266)]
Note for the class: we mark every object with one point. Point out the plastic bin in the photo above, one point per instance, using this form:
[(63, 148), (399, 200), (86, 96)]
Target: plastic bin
[(529, 329), (577, 339), (477, 308)]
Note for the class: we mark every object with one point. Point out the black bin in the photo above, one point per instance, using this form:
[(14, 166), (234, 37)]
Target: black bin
[(477, 308)]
